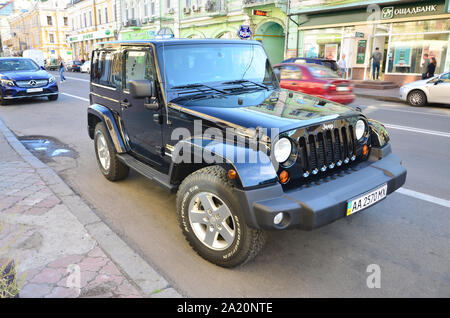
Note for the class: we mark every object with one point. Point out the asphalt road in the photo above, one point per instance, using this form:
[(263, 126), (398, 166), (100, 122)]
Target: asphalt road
[(407, 235)]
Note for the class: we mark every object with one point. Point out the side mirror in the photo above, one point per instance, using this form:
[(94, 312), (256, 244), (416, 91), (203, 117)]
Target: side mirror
[(144, 89), (141, 88), (42, 68)]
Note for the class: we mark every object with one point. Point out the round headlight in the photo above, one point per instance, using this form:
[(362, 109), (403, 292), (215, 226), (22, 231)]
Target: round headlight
[(282, 150), (360, 129)]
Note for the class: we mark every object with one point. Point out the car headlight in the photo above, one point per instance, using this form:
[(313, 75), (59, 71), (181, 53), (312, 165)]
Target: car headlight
[(51, 79), (282, 150), (7, 82), (360, 128)]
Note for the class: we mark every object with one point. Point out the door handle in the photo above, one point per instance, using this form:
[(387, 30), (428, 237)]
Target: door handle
[(125, 103)]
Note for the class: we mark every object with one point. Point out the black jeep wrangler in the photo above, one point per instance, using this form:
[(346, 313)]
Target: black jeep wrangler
[(207, 119)]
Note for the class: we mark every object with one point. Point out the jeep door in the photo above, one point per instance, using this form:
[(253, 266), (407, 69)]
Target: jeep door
[(141, 124)]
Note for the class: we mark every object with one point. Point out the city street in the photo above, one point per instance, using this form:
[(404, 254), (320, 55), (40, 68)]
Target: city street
[(407, 235)]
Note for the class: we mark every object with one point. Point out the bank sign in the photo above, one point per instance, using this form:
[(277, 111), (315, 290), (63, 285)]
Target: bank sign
[(392, 12)]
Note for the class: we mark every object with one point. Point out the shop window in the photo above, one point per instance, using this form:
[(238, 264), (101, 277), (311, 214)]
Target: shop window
[(324, 43), (407, 52)]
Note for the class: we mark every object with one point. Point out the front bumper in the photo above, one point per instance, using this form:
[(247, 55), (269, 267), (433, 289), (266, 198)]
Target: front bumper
[(15, 92), (316, 205), (403, 93)]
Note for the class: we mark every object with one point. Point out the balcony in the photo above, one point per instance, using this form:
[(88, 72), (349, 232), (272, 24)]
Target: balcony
[(210, 8)]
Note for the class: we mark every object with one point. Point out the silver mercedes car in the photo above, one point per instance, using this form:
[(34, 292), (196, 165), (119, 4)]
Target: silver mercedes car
[(432, 90)]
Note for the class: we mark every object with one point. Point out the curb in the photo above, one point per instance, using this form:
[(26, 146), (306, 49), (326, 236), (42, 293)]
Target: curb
[(382, 98), (151, 283)]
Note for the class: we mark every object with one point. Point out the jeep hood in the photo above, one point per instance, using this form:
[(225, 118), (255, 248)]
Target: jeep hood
[(25, 75), (281, 109)]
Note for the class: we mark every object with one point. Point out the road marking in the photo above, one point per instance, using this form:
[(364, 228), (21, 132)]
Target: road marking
[(75, 78), (405, 111), (424, 197), (74, 96), (419, 130)]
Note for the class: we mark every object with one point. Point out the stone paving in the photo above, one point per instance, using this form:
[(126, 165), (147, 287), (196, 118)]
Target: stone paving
[(53, 252)]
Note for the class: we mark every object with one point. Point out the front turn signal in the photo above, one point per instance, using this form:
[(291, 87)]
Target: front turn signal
[(284, 177)]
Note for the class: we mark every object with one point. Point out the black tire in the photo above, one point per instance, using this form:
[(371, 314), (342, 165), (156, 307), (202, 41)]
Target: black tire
[(417, 98), (117, 170), (53, 97), (247, 241)]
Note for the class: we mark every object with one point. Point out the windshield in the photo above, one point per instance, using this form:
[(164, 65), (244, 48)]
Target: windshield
[(11, 65), (199, 64)]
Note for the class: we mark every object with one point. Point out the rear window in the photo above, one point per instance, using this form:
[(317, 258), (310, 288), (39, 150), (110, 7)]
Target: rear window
[(331, 64), (319, 71)]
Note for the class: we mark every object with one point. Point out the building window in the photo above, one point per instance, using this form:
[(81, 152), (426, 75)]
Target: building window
[(85, 20), (49, 20), (73, 24), (106, 15), (152, 8), (145, 9), (90, 18), (66, 21), (99, 16), (51, 38)]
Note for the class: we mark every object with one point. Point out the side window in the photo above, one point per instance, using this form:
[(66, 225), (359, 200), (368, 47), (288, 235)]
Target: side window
[(290, 73), (102, 68), (445, 78), (116, 70), (138, 66)]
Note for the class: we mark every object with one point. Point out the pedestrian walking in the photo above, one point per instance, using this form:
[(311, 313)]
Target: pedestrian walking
[(425, 64), (377, 57), (431, 68), (62, 79), (343, 65)]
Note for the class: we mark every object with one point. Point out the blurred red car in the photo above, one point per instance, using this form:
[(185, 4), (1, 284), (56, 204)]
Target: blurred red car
[(315, 80)]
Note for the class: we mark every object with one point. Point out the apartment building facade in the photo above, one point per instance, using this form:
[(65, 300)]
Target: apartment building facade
[(44, 26), (91, 22)]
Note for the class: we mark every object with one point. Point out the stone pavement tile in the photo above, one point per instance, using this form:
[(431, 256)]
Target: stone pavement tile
[(126, 289), (49, 276), (66, 261), (166, 293), (35, 291), (36, 211), (92, 264), (110, 269), (63, 292), (96, 252)]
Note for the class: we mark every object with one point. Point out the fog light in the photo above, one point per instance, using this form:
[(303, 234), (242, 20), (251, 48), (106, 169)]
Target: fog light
[(365, 150), (278, 218), (284, 176)]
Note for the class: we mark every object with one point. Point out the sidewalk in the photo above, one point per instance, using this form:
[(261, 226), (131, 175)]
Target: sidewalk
[(58, 244), (389, 95)]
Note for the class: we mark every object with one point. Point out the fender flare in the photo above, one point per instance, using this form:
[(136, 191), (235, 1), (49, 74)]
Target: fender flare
[(254, 168), (101, 113)]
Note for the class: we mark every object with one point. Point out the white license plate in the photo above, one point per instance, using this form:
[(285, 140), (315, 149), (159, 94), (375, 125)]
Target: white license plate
[(366, 200), (342, 88), (34, 90)]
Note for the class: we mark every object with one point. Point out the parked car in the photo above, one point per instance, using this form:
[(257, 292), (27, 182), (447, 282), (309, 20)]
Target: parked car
[(73, 66), (331, 64), (315, 80), (52, 65), (23, 78), (191, 129), (434, 90), (86, 67)]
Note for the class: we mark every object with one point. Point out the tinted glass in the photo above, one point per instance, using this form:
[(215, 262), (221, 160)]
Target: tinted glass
[(101, 68), (10, 65), (319, 71)]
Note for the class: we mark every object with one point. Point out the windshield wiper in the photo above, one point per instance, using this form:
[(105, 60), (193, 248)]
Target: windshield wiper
[(198, 88), (246, 81)]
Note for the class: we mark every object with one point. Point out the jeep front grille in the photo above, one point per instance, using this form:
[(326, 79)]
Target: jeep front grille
[(32, 83), (325, 150)]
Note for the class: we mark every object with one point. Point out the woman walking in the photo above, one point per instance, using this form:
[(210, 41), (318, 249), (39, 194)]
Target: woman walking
[(431, 68), (62, 79)]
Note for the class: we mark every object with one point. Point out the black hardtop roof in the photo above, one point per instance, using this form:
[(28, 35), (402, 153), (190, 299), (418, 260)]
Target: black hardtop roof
[(162, 42)]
